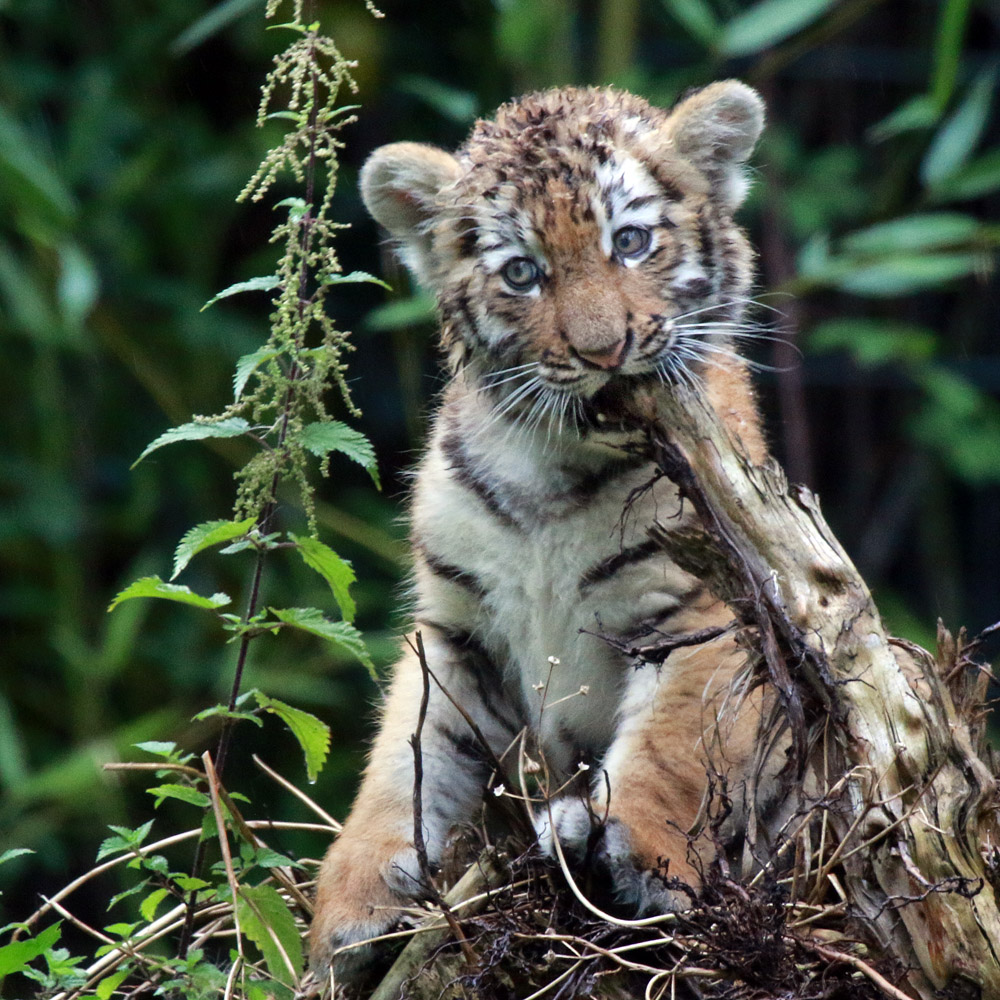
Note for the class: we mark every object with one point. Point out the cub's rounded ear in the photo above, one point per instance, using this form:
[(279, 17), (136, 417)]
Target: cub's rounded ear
[(400, 184), (716, 128)]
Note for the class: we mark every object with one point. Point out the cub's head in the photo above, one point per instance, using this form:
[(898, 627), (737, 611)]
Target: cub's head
[(582, 239)]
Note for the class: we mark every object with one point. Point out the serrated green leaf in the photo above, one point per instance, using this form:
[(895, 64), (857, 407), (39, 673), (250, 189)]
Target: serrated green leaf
[(264, 917), (16, 956), (122, 930), (222, 711), (107, 986), (342, 634), (14, 852), (153, 586), (247, 365), (874, 342), (154, 863), (204, 536), (185, 793), (147, 908), (267, 858), (263, 284), (960, 133), (313, 735), (232, 427), (909, 233), (334, 435), (126, 839), (297, 207), (133, 836), (112, 845), (160, 748), (188, 883), (355, 278), (768, 22), (337, 572), (118, 897), (231, 550)]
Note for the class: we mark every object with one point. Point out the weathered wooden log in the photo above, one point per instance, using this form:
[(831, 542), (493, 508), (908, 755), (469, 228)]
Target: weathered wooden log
[(918, 793)]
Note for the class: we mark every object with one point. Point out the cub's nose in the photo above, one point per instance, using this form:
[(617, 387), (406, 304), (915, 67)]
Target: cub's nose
[(609, 357)]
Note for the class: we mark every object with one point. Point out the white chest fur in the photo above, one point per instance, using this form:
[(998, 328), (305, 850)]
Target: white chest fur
[(528, 548)]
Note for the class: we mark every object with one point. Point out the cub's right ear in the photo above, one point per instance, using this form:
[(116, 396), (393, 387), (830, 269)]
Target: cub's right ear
[(400, 185)]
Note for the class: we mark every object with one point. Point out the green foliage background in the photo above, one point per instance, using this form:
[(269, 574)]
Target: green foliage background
[(125, 134)]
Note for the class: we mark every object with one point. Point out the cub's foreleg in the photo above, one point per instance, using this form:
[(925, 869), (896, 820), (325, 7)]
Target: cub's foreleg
[(371, 872), (676, 724)]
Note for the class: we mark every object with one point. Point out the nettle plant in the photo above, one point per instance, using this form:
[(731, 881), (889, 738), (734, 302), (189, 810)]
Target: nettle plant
[(280, 404)]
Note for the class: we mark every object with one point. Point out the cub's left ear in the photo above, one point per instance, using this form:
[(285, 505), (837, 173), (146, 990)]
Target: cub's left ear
[(716, 128)]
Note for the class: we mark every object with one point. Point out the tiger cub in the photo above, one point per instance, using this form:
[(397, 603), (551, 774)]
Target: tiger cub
[(582, 248)]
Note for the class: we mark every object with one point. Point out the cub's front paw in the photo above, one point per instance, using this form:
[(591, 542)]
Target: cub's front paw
[(358, 900), (605, 849)]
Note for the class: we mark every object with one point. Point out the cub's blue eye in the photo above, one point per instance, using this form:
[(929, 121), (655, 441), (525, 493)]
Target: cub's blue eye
[(631, 241), (521, 273)]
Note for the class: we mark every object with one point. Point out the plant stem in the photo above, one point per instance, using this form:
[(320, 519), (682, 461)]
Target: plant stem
[(270, 509)]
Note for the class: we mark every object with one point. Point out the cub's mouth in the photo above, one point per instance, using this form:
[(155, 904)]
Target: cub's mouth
[(612, 406)]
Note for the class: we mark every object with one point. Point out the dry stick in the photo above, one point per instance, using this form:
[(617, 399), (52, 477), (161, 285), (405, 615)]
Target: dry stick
[(660, 918), (218, 793), (166, 924), (495, 762), (863, 967), (227, 858), (418, 822), (298, 793), (281, 874), (467, 893), (660, 649)]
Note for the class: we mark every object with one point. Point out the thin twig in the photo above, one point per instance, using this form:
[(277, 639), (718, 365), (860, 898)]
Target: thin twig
[(831, 955), (227, 858), (298, 793), (419, 844)]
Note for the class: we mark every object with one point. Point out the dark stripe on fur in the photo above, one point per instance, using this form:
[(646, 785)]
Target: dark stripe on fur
[(667, 184), (488, 678), (465, 475), (592, 483), (463, 746), (607, 568), (648, 624), (454, 574), (706, 254)]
